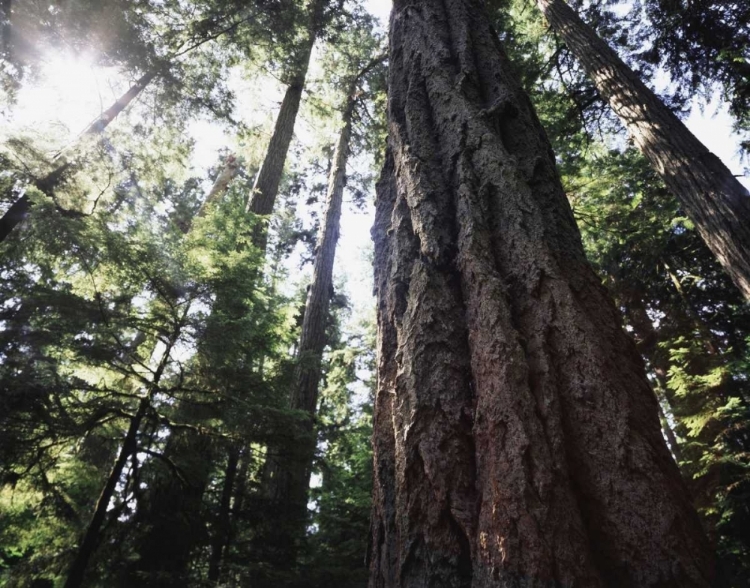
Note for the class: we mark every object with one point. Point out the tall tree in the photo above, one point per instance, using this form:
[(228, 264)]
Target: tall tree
[(713, 198), (291, 476), (516, 436), (267, 182)]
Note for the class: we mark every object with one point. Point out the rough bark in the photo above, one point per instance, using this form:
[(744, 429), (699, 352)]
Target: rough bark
[(47, 184), (712, 197), (516, 440)]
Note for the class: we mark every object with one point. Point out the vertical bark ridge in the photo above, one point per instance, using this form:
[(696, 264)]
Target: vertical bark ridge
[(713, 198), (520, 409)]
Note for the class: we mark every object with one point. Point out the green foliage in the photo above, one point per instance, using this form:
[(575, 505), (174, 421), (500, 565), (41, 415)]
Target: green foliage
[(123, 270)]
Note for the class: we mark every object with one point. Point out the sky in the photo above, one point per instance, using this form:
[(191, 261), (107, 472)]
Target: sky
[(379, 8)]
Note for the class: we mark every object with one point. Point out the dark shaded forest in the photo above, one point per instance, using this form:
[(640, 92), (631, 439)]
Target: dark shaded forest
[(551, 385)]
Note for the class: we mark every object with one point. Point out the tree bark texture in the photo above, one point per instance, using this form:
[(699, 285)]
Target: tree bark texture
[(712, 197), (516, 437), (47, 184)]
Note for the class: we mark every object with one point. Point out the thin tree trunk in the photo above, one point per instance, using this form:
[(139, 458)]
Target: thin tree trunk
[(712, 197), (221, 535), (647, 340), (516, 440), (267, 182), (666, 428), (93, 532), (20, 209), (221, 185), (290, 478)]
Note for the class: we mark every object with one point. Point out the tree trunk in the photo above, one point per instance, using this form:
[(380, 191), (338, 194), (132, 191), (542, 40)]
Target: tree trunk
[(289, 479), (93, 532), (516, 439), (712, 197), (20, 209), (92, 536), (267, 183), (223, 524), (647, 343), (221, 185)]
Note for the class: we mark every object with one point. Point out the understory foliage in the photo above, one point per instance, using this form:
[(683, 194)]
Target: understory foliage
[(131, 302)]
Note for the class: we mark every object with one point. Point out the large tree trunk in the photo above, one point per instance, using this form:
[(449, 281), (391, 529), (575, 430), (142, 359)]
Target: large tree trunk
[(20, 209), (713, 198), (516, 436), (289, 478)]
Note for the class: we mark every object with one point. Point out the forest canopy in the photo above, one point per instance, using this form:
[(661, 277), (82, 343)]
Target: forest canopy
[(292, 296)]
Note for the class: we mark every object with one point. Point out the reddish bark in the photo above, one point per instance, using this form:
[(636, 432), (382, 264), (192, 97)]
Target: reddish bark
[(516, 440)]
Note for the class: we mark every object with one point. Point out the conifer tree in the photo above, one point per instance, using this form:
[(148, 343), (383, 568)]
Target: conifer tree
[(713, 198), (291, 475), (516, 436)]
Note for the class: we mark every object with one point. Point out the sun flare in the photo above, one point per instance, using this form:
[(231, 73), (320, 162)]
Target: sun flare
[(69, 92)]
